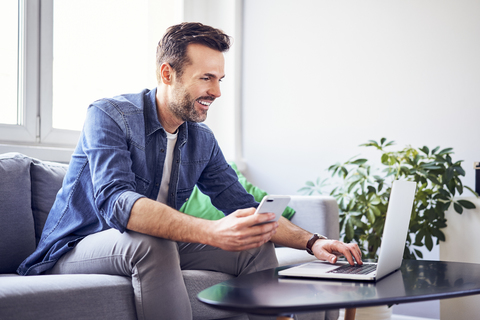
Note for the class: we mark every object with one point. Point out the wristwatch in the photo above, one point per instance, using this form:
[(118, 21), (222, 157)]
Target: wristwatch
[(312, 240)]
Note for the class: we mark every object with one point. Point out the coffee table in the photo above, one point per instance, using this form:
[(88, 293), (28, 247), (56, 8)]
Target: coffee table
[(265, 293)]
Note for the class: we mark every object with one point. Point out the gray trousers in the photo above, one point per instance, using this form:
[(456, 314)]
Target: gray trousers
[(155, 264)]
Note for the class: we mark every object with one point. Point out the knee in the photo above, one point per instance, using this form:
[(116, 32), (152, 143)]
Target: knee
[(142, 248), (258, 259)]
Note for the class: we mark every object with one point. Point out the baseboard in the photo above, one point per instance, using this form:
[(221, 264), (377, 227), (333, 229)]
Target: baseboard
[(402, 317)]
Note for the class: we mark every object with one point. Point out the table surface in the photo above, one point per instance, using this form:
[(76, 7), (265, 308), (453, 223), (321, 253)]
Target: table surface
[(266, 293)]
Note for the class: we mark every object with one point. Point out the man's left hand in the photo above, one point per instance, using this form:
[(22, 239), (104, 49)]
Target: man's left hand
[(330, 250)]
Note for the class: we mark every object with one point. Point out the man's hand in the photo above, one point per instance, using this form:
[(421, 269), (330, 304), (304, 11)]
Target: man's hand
[(329, 250), (239, 230)]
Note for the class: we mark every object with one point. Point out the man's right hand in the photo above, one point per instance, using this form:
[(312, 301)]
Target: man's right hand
[(240, 230)]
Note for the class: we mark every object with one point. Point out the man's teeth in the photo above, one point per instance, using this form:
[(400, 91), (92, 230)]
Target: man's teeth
[(205, 103)]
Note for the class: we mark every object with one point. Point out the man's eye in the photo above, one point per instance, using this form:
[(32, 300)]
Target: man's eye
[(206, 79)]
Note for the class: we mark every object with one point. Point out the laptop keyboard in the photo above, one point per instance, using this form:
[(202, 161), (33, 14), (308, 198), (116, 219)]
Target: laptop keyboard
[(355, 269)]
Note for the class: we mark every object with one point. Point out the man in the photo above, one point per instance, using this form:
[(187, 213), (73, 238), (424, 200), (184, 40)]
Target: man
[(138, 158)]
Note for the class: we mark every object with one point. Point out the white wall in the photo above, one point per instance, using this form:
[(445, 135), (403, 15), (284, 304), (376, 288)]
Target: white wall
[(322, 77), (224, 117)]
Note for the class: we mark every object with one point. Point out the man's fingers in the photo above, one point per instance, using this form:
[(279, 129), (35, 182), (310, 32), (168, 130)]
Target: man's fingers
[(244, 212), (248, 242), (352, 253), (332, 249), (251, 218), (244, 230)]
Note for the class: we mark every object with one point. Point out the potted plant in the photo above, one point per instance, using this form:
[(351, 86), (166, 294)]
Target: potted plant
[(362, 193)]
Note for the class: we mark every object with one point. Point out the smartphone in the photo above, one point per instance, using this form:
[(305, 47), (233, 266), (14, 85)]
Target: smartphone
[(275, 204)]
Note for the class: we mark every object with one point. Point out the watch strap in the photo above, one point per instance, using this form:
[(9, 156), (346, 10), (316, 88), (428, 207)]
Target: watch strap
[(312, 240)]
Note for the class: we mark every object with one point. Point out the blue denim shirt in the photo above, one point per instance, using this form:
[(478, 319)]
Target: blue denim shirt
[(119, 159)]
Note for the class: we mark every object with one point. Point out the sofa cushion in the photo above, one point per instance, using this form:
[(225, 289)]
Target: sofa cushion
[(17, 233), (47, 178), (73, 296)]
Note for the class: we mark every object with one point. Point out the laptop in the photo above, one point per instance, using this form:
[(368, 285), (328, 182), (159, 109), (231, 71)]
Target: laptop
[(391, 252)]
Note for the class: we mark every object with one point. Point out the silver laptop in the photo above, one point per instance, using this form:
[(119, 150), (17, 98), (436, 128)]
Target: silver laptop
[(391, 251)]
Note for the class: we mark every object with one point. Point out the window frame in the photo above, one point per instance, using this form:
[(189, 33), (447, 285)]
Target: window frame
[(28, 77), (48, 134)]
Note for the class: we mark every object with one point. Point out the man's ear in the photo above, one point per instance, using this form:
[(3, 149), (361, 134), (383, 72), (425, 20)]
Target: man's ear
[(166, 73)]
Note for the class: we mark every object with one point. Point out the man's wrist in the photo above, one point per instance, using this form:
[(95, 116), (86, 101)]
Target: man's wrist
[(312, 241)]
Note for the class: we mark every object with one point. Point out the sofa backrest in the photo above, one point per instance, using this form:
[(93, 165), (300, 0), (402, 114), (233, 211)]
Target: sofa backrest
[(47, 178), (28, 188)]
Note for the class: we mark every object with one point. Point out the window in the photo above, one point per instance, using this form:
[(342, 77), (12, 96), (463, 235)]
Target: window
[(98, 52), (58, 56), (94, 49), (9, 49)]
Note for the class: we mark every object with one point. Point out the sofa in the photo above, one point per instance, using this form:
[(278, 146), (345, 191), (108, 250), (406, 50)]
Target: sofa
[(28, 187)]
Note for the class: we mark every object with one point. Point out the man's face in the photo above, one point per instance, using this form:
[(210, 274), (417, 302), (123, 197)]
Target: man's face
[(199, 85)]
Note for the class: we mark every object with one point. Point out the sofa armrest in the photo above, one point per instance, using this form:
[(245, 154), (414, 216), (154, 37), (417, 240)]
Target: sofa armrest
[(317, 214)]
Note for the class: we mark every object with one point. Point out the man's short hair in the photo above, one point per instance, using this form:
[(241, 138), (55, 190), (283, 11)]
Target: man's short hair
[(172, 48)]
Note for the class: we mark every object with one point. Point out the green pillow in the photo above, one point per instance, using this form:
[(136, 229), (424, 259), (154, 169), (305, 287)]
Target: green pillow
[(199, 205)]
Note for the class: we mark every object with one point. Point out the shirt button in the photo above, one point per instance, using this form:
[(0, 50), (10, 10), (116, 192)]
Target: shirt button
[(162, 150)]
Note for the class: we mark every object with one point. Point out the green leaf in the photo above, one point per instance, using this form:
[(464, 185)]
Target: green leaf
[(418, 238), (428, 242), (349, 230), (352, 185), (376, 211), (439, 234), (384, 158), (359, 161), (460, 170), (371, 215), (445, 151), (466, 204), (425, 150), (343, 171), (391, 143), (448, 174), (458, 208), (430, 166), (304, 189), (419, 253), (472, 191)]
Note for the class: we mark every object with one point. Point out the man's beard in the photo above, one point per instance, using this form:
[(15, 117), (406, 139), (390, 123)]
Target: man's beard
[(183, 106)]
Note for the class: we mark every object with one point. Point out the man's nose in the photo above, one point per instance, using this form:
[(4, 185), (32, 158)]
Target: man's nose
[(215, 90)]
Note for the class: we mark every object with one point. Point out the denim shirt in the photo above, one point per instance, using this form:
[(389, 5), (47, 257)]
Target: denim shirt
[(119, 159)]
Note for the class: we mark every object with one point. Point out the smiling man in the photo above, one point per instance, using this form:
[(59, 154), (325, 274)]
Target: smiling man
[(137, 161)]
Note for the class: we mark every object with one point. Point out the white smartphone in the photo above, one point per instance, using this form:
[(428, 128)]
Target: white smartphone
[(275, 204)]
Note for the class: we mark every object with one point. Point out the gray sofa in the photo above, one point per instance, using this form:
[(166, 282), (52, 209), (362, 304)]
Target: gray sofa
[(27, 191)]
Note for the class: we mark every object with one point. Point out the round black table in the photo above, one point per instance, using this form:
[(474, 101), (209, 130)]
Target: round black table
[(266, 293)]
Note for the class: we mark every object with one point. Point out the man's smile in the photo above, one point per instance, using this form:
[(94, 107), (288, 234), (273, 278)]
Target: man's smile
[(206, 102)]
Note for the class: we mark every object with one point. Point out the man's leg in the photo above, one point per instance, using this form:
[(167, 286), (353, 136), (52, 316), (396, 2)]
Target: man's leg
[(152, 263), (195, 256)]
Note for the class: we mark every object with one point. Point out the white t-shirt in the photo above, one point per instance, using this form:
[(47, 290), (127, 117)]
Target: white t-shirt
[(167, 167)]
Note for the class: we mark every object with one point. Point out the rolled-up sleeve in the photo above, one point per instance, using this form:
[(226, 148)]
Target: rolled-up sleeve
[(106, 144)]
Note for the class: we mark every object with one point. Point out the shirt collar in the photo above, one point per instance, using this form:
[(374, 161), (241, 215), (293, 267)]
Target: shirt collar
[(151, 117)]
